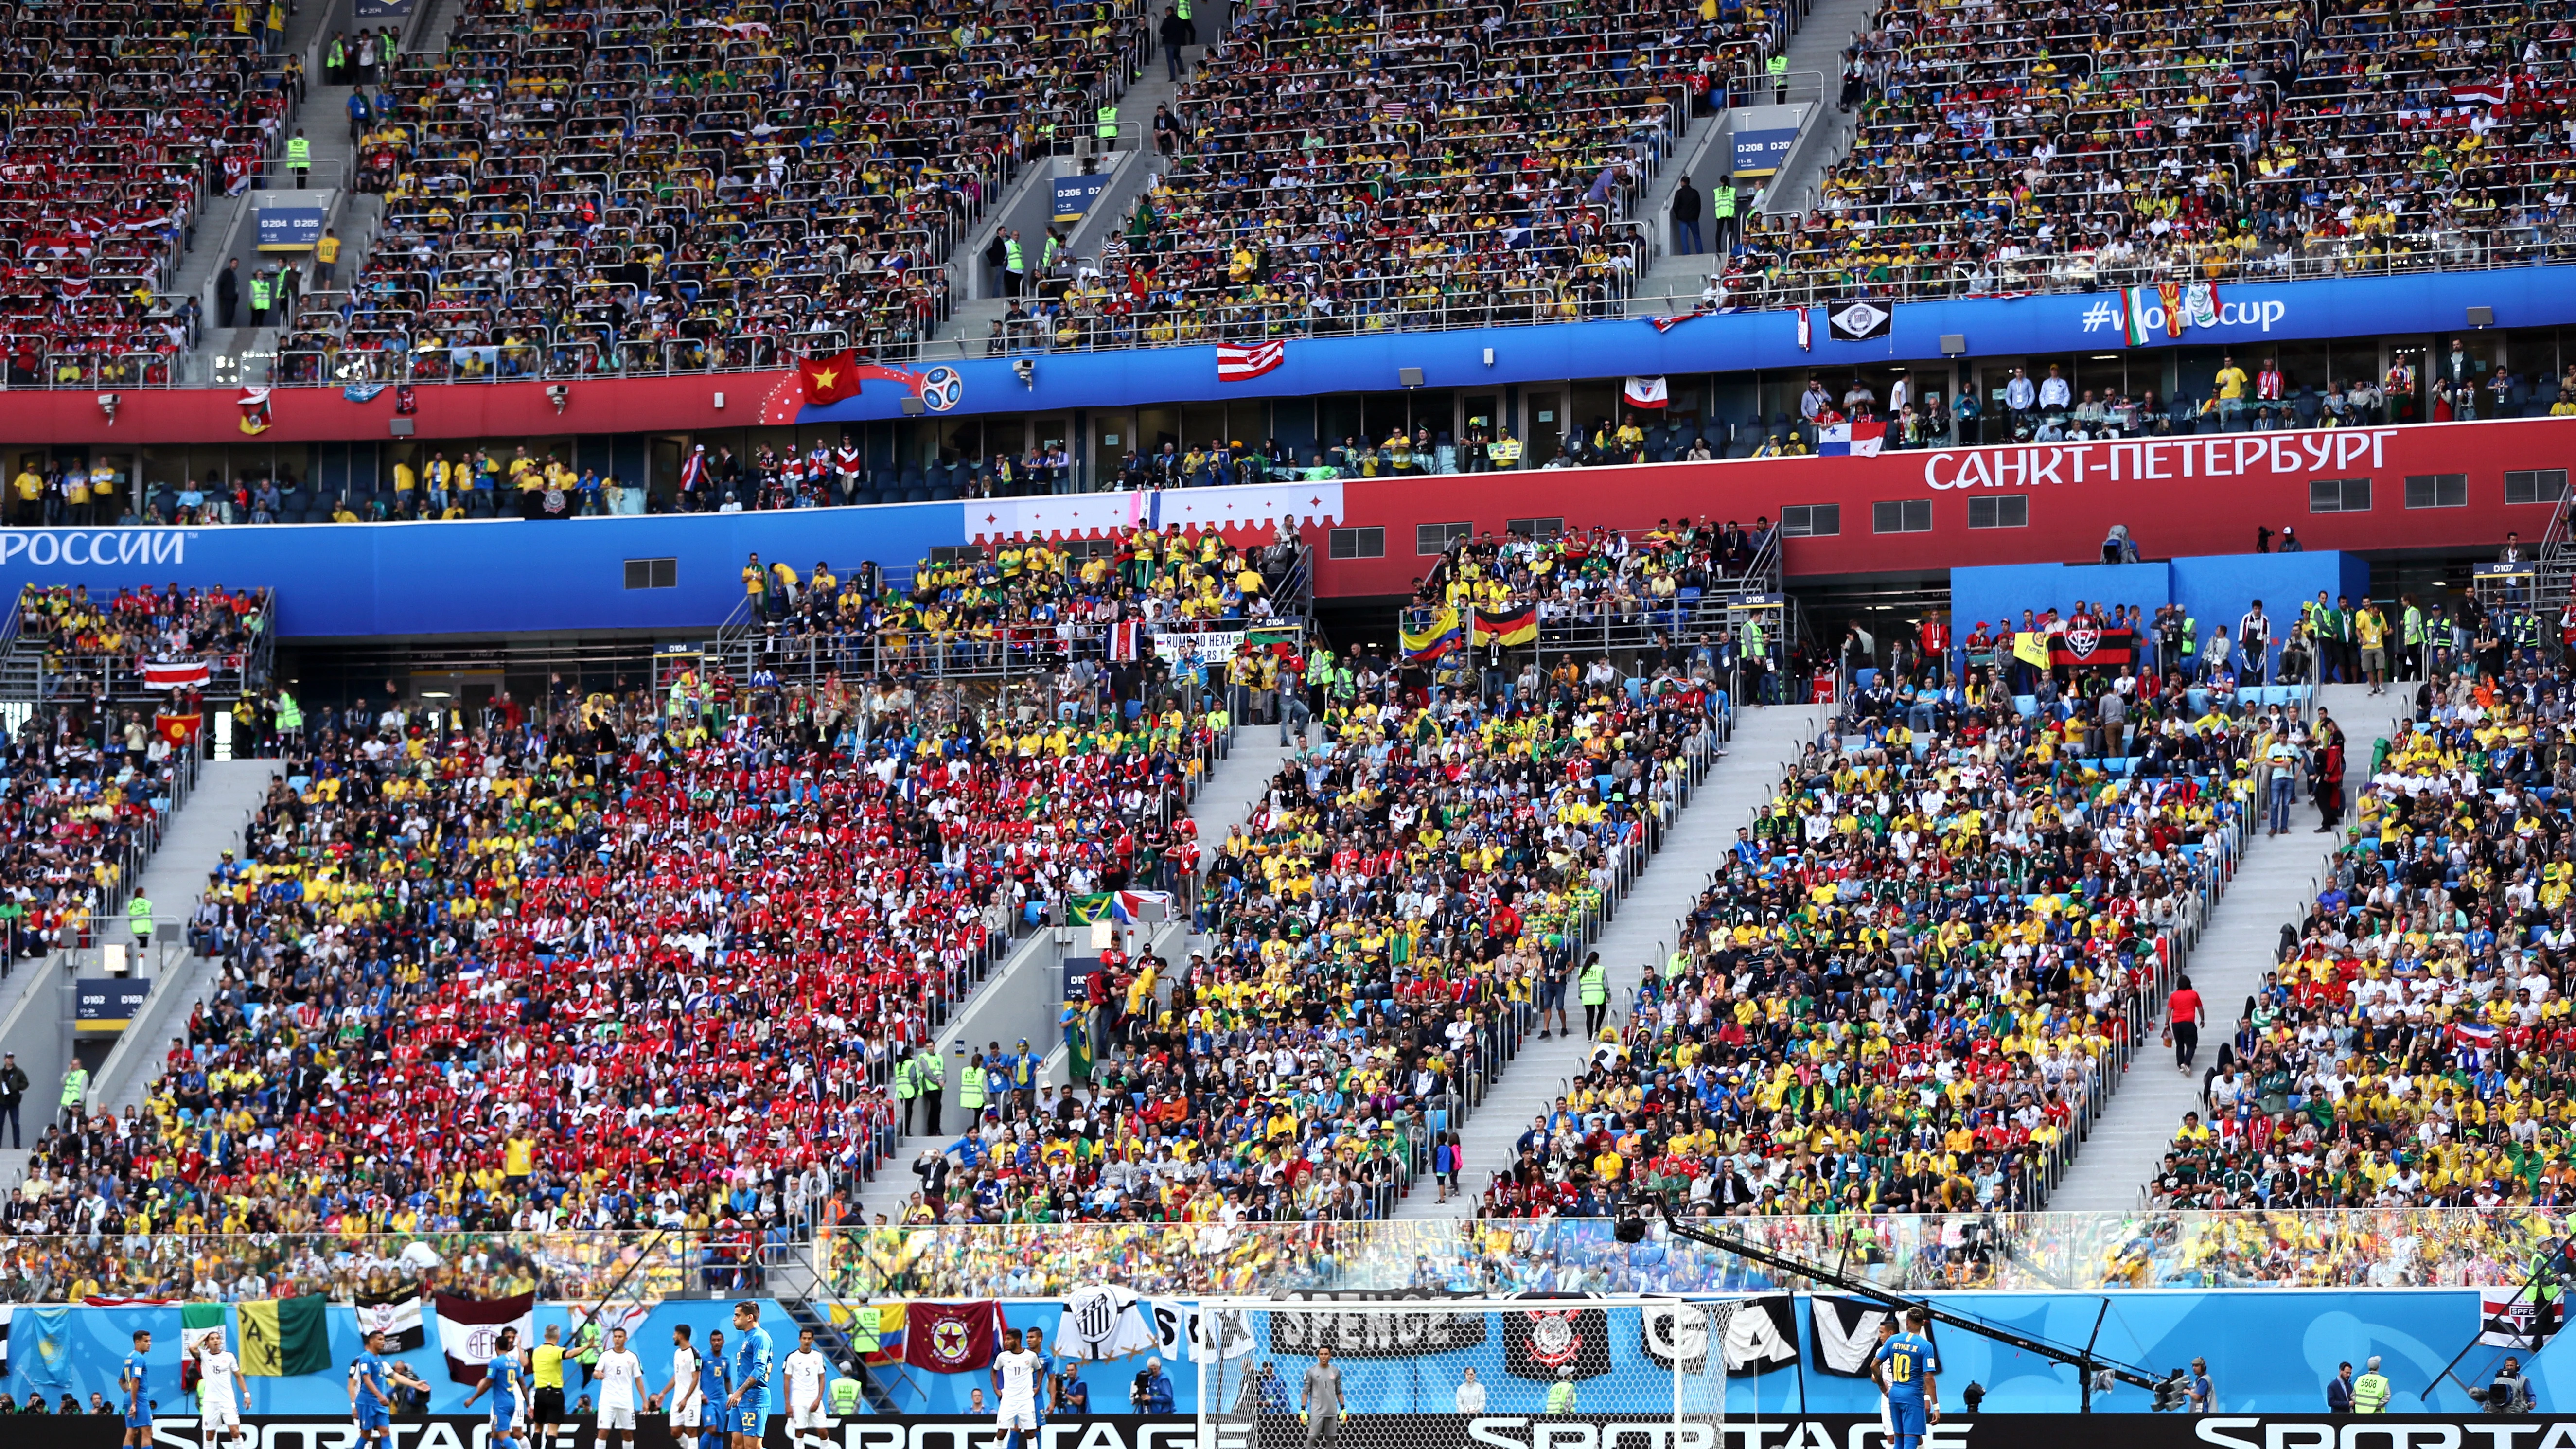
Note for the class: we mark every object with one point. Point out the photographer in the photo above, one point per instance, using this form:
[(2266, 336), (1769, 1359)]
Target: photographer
[(1152, 1391), (2509, 1392)]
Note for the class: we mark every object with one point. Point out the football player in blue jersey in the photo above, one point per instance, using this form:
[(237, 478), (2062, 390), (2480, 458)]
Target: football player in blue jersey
[(754, 1360), (1905, 1368)]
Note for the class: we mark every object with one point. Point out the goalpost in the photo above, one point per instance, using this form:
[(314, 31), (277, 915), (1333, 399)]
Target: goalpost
[(1659, 1363)]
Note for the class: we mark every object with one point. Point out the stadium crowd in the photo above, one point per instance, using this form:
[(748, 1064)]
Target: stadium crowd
[(110, 639), (2115, 148), (617, 191), (1902, 988), (1411, 895), (2409, 1047), (123, 119), (85, 801), (1028, 606), (1329, 171), (626, 962)]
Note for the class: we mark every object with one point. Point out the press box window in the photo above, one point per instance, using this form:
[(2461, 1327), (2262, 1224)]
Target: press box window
[(2535, 485), (1435, 538), (1912, 515), (1811, 520), (2339, 495), (652, 573), (2437, 490), (1535, 527), (2012, 511), (1356, 543)]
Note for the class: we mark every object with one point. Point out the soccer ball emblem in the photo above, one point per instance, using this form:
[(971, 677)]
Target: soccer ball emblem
[(942, 388)]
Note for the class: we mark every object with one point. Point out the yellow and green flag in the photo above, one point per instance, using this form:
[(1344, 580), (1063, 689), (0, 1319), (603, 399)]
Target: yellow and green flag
[(2031, 647), (284, 1337)]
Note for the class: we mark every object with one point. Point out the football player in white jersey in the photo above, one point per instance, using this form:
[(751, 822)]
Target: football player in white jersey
[(1015, 1391), (807, 1372), (218, 1390), (621, 1387), (681, 1400)]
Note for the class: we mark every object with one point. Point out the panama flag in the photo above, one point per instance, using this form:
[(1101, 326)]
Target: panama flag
[(2139, 301), (1853, 440)]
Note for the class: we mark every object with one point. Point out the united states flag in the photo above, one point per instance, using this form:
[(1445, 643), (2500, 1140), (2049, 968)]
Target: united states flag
[(1243, 364)]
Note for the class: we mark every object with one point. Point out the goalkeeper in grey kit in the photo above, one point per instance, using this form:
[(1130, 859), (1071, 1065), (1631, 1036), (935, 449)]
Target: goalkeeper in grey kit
[(1323, 1401)]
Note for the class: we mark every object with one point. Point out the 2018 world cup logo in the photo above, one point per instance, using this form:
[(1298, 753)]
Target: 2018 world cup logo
[(942, 388)]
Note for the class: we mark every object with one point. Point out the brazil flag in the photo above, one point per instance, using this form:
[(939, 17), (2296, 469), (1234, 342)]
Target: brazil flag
[(284, 1337)]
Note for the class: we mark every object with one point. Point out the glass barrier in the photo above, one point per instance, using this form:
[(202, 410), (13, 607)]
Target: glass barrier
[(629, 1266), (2081, 1252), (2367, 1247)]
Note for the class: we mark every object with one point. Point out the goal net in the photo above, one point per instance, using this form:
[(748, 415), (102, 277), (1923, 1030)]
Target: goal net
[(1267, 1370)]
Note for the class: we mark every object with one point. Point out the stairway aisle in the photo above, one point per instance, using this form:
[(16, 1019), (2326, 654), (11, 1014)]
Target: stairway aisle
[(1818, 46), (2280, 875), (1766, 740), (1234, 787), (228, 794), (1672, 280)]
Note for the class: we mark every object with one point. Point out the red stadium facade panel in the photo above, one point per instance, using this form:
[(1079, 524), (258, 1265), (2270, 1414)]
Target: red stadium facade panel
[(327, 415), (2179, 496)]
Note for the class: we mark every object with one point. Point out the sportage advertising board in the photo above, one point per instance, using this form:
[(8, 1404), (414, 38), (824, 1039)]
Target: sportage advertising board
[(1424, 1431)]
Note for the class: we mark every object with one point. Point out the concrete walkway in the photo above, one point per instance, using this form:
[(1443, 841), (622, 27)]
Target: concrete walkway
[(1818, 46), (1641, 935), (2279, 876), (228, 795)]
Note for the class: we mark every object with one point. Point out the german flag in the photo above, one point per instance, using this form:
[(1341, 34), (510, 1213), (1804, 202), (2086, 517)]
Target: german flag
[(1509, 626)]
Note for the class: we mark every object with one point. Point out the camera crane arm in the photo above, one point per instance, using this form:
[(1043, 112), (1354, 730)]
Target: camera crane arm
[(2087, 1363)]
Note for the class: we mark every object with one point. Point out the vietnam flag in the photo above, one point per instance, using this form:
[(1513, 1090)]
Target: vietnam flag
[(829, 379)]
